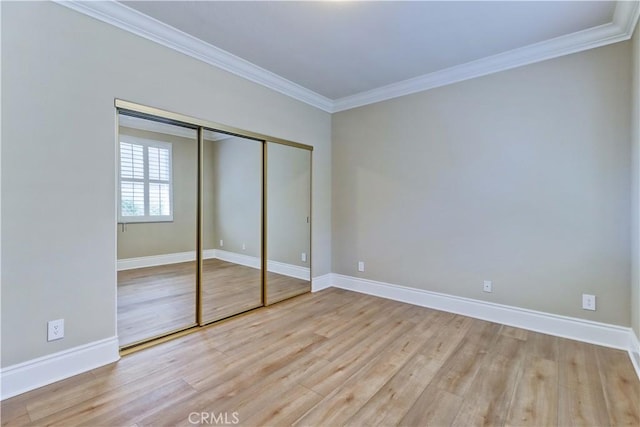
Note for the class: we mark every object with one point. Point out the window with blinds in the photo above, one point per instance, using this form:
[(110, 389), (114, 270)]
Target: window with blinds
[(145, 181)]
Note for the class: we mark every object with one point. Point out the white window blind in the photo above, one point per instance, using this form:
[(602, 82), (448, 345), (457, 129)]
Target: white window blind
[(145, 181)]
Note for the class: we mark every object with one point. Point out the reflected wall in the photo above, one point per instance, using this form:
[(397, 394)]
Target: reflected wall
[(232, 215), (288, 222)]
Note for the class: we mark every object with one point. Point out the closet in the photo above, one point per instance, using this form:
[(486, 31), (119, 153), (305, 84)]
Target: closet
[(212, 221)]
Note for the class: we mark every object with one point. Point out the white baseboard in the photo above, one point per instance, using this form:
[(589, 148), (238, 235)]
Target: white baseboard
[(321, 282), (634, 352), (207, 254), (26, 376), (289, 270), (552, 324), (155, 260), (236, 258)]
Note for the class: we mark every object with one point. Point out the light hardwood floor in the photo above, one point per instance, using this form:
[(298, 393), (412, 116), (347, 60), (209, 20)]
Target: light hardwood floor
[(339, 358), (155, 300)]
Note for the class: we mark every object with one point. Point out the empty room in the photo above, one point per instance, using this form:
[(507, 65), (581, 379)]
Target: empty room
[(320, 213)]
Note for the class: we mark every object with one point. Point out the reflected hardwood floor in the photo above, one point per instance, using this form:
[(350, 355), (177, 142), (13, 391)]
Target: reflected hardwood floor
[(340, 358), (229, 289), (281, 287), (155, 300)]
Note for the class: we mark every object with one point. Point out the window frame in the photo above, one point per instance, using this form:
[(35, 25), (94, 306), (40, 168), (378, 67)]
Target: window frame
[(145, 143)]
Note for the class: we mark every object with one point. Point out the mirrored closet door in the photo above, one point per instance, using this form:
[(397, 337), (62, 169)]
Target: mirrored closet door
[(232, 226), (212, 221), (157, 213), (288, 222)]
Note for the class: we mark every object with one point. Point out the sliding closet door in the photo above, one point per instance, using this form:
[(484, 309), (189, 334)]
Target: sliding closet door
[(157, 227), (288, 222), (231, 280)]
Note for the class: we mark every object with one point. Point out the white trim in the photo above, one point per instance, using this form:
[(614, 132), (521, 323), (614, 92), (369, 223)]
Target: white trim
[(547, 323), (128, 19), (207, 254), (236, 258), (625, 16), (634, 352), (154, 260), (117, 14), (321, 282), (26, 376), (289, 270), (277, 267), (613, 336)]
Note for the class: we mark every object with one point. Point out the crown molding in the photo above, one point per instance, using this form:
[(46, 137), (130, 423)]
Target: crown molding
[(624, 21), (625, 16), (621, 28), (128, 19)]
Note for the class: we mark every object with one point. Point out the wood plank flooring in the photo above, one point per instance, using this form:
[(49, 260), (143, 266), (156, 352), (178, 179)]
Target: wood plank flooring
[(155, 300), (339, 358)]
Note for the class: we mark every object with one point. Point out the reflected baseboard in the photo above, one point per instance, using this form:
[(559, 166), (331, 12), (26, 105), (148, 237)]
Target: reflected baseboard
[(236, 258), (164, 259), (289, 270)]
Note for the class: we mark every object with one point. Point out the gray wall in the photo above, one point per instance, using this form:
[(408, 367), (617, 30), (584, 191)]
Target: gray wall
[(58, 147), (521, 177), (288, 198), (635, 207), (236, 166), (179, 235)]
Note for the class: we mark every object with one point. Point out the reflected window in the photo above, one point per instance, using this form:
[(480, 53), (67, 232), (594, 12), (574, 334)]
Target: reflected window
[(145, 184)]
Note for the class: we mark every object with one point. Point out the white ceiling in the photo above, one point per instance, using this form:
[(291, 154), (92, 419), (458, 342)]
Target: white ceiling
[(338, 49), (337, 55)]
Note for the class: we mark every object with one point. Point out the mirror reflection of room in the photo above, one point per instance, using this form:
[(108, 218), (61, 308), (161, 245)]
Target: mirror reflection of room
[(232, 225), (159, 175), (157, 203), (288, 222)]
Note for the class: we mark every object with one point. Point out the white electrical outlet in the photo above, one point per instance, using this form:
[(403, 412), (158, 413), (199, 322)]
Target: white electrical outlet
[(588, 302), (221, 243), (244, 247), (488, 286), (303, 257), (55, 330), (360, 265)]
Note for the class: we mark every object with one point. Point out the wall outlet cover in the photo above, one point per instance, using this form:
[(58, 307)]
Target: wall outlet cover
[(55, 330), (589, 302)]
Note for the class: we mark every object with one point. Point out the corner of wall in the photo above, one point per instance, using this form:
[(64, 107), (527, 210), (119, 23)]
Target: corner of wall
[(635, 186)]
